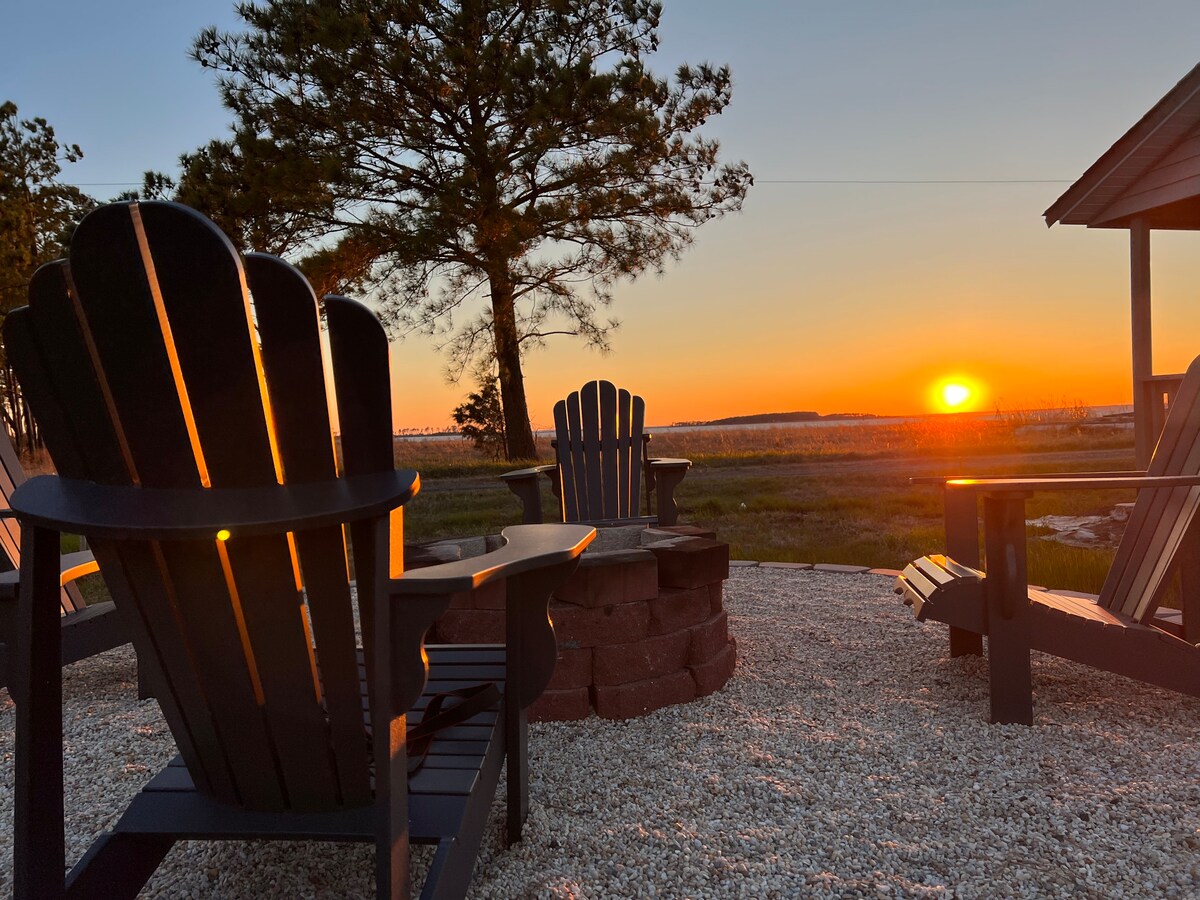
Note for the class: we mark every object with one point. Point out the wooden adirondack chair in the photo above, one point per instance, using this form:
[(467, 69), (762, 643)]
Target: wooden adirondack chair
[(87, 630), (602, 452), (195, 452), (1118, 632)]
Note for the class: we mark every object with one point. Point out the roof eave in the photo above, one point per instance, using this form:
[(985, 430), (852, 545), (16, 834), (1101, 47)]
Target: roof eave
[(1187, 90)]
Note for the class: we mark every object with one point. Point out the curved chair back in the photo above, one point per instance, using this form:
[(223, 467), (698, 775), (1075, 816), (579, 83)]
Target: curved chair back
[(601, 451), (1161, 517), (146, 364)]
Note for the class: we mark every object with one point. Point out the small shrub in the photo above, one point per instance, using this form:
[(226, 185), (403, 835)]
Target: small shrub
[(481, 419)]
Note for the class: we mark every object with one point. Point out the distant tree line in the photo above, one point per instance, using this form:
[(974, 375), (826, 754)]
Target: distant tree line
[(37, 216)]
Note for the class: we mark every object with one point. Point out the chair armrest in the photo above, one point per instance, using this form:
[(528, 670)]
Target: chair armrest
[(663, 475), (1030, 485), (523, 483), (532, 472), (528, 547), (961, 514), (942, 479), (535, 561), (664, 462), (76, 565), (140, 513), (72, 565)]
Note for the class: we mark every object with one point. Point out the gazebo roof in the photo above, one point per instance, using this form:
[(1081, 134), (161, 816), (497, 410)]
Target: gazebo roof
[(1151, 172)]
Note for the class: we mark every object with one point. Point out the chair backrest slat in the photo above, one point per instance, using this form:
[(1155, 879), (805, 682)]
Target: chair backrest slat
[(609, 464), (600, 449), (362, 386), (572, 476), (627, 462), (289, 328), (637, 451), (1160, 518), (590, 438)]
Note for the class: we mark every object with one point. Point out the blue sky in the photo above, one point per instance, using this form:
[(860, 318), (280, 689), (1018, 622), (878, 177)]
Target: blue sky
[(834, 297)]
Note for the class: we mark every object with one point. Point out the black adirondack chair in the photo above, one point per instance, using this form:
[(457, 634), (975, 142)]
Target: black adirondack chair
[(86, 630), (602, 454), (194, 450), (1119, 631)]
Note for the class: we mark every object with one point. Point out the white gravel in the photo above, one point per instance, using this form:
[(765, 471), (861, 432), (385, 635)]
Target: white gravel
[(847, 757)]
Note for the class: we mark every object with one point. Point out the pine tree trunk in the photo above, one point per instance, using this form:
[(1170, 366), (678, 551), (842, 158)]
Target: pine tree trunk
[(518, 432)]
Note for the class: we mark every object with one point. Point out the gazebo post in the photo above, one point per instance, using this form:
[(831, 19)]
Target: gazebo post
[(1144, 418)]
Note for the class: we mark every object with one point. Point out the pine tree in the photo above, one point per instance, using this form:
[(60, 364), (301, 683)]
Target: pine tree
[(480, 418), (492, 168)]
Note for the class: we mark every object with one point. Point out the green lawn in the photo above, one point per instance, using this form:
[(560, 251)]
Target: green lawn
[(837, 495)]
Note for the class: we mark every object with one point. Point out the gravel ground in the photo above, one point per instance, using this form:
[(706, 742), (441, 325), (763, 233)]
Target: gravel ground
[(847, 757)]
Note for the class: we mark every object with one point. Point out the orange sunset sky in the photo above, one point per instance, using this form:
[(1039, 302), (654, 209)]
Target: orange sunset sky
[(823, 294)]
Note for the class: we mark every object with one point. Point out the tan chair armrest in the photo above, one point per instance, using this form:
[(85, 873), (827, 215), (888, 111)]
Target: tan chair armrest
[(531, 472), (528, 547)]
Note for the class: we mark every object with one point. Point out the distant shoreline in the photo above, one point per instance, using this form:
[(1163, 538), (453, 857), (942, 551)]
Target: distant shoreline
[(1098, 414), (781, 418)]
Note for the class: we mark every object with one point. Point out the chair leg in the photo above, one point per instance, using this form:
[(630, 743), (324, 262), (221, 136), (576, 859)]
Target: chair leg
[(1189, 582), (144, 691), (556, 490), (965, 643), (961, 513), (517, 762), (528, 493), (39, 854), (1006, 593), (666, 479), (530, 658), (1010, 678), (117, 865), (392, 854)]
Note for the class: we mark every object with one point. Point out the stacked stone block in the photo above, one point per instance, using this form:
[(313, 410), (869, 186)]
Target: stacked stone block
[(638, 629)]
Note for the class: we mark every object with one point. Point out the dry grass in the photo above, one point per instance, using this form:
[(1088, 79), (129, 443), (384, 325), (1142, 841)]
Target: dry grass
[(969, 434), (940, 435)]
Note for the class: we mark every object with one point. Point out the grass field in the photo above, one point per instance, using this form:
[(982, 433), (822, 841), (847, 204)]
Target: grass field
[(835, 494)]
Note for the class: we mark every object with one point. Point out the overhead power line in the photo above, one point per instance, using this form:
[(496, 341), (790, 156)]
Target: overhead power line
[(764, 181), (913, 180)]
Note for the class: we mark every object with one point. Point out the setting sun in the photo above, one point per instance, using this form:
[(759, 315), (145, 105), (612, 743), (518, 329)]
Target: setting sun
[(955, 395)]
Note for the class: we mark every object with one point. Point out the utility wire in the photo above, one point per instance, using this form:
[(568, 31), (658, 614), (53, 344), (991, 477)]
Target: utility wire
[(764, 181), (913, 181)]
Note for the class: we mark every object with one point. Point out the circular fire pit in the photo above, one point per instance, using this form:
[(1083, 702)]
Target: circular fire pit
[(640, 625)]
